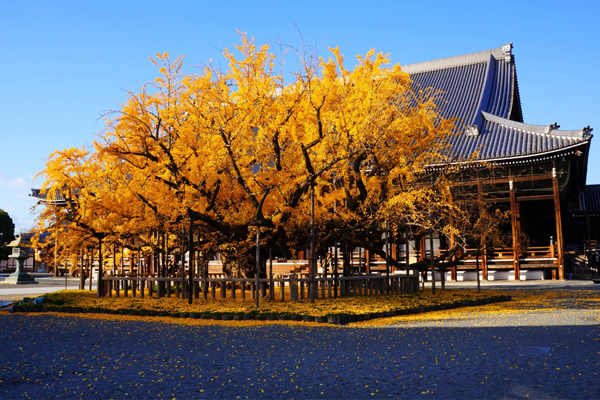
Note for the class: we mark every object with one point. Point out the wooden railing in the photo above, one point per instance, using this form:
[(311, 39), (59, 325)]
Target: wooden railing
[(534, 257), (232, 288)]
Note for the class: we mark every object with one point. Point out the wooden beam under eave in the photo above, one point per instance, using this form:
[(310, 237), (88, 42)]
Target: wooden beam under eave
[(520, 198), (540, 177), (535, 198), (559, 237), (515, 232)]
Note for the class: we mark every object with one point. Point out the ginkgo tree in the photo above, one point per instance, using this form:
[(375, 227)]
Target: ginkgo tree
[(225, 151)]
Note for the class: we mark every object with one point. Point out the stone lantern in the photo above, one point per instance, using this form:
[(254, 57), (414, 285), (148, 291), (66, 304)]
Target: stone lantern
[(20, 253)]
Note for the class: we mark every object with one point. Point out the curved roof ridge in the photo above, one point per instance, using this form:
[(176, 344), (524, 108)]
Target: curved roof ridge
[(457, 61), (549, 130), (409, 68)]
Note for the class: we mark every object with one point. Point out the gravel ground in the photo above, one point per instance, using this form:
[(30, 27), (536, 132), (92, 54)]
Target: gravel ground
[(534, 353)]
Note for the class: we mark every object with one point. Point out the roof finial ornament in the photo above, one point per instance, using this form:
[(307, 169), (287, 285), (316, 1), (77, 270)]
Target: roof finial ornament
[(507, 52), (552, 127), (472, 130), (587, 131)]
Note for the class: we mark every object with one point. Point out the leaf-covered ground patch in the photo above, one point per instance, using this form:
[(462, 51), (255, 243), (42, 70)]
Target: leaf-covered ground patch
[(349, 305), (523, 302), (84, 303)]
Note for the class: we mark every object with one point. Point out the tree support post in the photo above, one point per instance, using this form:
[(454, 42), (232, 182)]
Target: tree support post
[(271, 285), (335, 270), (313, 255), (482, 242), (81, 271), (190, 289), (257, 285), (99, 291), (387, 255), (432, 258)]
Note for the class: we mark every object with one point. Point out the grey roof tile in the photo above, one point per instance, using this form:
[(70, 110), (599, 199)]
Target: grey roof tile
[(589, 201), (481, 89), (503, 138)]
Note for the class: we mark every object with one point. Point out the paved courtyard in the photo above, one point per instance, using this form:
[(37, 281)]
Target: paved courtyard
[(532, 351)]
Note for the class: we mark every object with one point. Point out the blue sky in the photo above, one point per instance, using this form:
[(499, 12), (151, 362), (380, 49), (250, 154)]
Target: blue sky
[(64, 63)]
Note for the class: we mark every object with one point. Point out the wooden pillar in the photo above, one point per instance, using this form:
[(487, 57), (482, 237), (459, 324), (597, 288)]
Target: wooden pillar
[(515, 232), (559, 236), (367, 261)]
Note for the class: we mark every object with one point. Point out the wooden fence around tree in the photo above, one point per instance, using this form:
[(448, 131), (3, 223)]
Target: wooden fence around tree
[(231, 288)]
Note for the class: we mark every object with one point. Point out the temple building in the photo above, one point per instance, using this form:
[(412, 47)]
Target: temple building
[(536, 172)]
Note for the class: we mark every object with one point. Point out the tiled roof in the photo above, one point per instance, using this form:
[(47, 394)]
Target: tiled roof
[(459, 101), (480, 90), (37, 194), (484, 81), (500, 138), (589, 201)]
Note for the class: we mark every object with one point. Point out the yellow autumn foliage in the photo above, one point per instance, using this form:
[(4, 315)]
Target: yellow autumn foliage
[(230, 149)]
